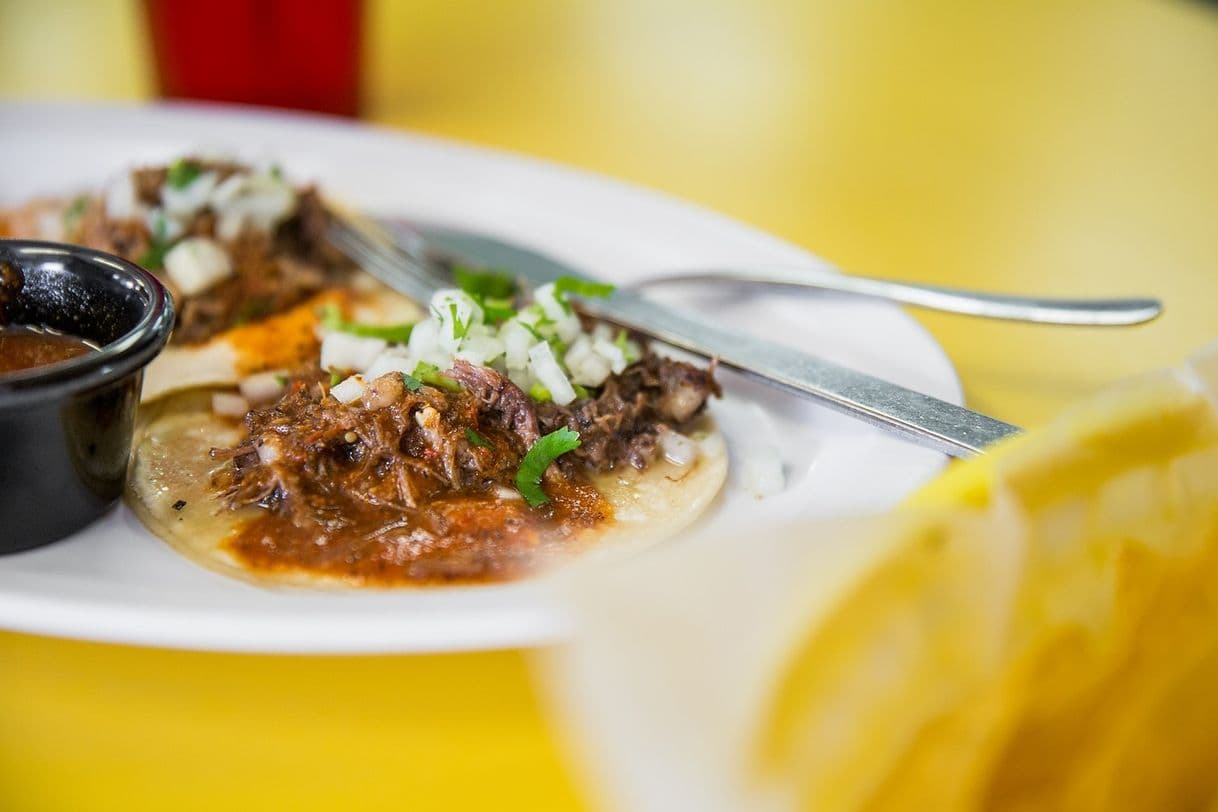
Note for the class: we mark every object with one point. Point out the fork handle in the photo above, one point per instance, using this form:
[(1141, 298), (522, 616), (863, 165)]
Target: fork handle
[(1042, 310)]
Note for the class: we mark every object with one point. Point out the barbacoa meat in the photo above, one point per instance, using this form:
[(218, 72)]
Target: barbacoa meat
[(317, 460), (622, 424), (272, 271)]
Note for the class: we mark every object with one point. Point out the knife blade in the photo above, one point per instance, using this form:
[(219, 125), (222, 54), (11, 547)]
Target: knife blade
[(917, 417)]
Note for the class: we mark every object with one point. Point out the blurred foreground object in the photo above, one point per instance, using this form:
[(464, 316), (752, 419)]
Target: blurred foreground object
[(276, 53), (1039, 630)]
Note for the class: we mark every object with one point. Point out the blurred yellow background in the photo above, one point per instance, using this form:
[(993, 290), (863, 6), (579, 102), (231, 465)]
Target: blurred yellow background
[(1054, 147)]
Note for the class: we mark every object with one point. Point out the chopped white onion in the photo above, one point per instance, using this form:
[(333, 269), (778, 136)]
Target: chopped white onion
[(425, 344), (761, 471), (480, 349), (580, 349), (505, 492), (121, 201), (568, 327), (341, 350), (229, 404), (256, 200), (549, 374), (610, 352), (678, 449), (516, 342), (424, 338), (592, 370), (162, 226), (391, 360), (348, 390), (522, 347), (186, 201), (586, 367), (197, 263), (263, 387), (450, 302), (547, 300), (533, 315)]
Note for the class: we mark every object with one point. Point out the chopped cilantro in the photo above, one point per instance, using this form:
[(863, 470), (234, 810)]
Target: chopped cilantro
[(476, 439), (181, 173), (532, 330), (276, 172), (335, 377), (581, 287), (485, 283), (539, 393), (459, 328), (496, 310), (154, 258), (412, 383), (543, 452), (620, 343), (430, 374), (332, 319), (74, 212), (492, 290)]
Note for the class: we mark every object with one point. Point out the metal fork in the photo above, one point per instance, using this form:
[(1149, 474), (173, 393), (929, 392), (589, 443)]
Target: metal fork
[(409, 262), (1110, 312)]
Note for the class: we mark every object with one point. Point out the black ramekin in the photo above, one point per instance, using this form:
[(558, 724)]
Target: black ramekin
[(65, 429)]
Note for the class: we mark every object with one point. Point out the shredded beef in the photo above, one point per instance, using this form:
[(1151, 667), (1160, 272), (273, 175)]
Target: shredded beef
[(308, 455), (317, 460), (272, 272), (505, 402), (622, 424), (148, 182)]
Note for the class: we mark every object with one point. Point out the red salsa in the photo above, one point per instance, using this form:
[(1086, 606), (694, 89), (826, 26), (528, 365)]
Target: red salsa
[(23, 348)]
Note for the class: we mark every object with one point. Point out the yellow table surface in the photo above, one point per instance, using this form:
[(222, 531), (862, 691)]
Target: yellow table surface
[(1053, 147)]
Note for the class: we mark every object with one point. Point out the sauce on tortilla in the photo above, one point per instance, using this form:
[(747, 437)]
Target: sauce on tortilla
[(282, 341), (465, 538)]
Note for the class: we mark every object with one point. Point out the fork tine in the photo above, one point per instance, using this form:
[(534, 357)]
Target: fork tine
[(382, 260)]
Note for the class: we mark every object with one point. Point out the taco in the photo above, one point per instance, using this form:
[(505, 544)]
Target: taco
[(236, 244), (485, 442)]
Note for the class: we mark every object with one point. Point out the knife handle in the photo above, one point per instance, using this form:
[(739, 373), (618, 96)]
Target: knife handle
[(920, 418)]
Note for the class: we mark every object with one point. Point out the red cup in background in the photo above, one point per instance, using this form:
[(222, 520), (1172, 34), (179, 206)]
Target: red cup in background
[(278, 53)]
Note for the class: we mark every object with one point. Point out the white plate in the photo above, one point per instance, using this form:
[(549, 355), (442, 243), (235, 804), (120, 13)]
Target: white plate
[(116, 582)]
